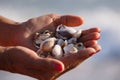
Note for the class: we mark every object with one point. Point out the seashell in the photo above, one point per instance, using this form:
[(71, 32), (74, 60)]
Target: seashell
[(46, 34), (62, 42), (41, 37), (64, 32), (44, 55), (77, 34), (73, 50), (47, 45), (72, 40), (79, 46), (57, 51), (70, 49), (65, 28)]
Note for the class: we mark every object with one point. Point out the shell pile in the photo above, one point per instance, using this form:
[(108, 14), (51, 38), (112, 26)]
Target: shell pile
[(59, 44)]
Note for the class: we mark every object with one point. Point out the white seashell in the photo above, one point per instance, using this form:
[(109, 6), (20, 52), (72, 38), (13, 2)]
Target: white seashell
[(47, 45), (65, 28), (64, 32), (72, 40), (79, 46), (77, 34), (57, 51), (73, 50), (70, 49)]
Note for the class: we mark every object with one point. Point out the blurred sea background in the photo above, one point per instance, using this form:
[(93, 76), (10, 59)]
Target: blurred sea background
[(104, 14)]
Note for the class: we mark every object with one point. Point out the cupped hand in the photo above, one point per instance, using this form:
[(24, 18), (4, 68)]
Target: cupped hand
[(24, 37), (25, 32)]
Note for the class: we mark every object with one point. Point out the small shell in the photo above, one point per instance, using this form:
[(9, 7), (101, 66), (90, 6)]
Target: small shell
[(57, 51), (70, 49), (47, 45), (44, 55), (73, 50), (77, 34), (79, 46), (41, 37), (62, 42), (72, 40)]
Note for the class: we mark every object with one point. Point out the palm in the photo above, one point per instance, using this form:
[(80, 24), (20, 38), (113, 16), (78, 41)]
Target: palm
[(29, 28)]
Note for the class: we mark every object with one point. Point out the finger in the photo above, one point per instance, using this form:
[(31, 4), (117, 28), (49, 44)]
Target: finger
[(90, 43), (73, 60), (96, 47), (68, 20), (90, 36), (91, 30), (48, 64)]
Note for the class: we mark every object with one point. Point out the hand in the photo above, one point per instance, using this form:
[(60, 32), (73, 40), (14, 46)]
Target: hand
[(22, 34), (24, 37), (25, 61)]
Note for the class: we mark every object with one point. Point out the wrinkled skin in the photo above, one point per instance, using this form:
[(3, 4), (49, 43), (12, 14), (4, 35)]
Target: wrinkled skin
[(21, 53)]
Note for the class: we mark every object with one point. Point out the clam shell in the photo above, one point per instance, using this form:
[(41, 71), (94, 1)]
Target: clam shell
[(70, 49), (57, 51), (47, 45)]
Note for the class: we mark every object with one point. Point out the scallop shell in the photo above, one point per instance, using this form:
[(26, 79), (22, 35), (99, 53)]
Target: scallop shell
[(57, 51), (47, 45), (70, 49)]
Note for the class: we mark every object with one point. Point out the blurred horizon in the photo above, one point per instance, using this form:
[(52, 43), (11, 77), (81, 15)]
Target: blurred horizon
[(104, 14)]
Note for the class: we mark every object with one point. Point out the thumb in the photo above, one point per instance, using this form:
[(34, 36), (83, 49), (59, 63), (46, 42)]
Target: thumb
[(49, 64), (69, 20)]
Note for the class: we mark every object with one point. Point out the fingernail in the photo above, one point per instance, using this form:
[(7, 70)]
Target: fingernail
[(58, 67)]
